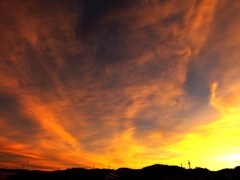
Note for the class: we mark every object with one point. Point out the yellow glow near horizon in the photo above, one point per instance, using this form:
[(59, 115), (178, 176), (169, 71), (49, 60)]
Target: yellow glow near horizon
[(215, 145)]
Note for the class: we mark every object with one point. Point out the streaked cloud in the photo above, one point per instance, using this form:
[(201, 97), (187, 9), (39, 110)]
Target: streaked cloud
[(85, 83)]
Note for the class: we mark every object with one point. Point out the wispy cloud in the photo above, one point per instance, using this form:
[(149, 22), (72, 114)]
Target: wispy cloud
[(131, 83)]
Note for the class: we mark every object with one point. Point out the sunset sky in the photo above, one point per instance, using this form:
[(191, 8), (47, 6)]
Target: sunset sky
[(119, 83)]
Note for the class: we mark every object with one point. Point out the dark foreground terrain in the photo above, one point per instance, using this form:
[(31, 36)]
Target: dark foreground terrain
[(153, 172)]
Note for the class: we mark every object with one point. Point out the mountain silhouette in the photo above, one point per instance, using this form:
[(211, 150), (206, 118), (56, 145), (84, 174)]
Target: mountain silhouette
[(153, 172)]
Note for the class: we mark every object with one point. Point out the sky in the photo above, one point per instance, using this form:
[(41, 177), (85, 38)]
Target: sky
[(119, 83)]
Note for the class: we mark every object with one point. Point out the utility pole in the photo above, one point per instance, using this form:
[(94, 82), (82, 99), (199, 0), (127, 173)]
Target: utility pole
[(23, 164)]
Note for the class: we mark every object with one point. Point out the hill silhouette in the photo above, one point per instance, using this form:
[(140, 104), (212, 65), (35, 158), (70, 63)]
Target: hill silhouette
[(154, 172)]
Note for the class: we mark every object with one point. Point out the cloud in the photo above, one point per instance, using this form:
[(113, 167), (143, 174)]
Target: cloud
[(91, 82)]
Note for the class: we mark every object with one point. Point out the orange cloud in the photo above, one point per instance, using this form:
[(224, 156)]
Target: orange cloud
[(130, 84)]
